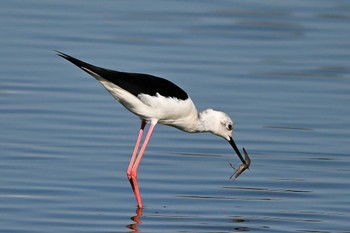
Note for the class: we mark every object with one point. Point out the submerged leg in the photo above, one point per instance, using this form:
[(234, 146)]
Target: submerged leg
[(135, 161)]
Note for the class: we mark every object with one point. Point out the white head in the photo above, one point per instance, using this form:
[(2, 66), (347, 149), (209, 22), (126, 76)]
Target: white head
[(220, 124)]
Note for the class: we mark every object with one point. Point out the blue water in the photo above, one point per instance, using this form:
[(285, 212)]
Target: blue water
[(280, 69)]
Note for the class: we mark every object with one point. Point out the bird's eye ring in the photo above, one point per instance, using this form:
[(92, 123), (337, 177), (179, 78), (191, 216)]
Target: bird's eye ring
[(229, 126)]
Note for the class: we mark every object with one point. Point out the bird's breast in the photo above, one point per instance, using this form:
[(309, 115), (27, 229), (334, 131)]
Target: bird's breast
[(171, 111)]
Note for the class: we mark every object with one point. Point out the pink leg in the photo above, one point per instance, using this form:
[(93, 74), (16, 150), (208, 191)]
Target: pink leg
[(135, 161), (133, 157)]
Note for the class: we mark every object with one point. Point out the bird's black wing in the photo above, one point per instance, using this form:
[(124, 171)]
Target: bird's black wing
[(135, 83)]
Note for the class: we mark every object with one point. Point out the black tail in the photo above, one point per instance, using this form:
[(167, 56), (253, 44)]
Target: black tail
[(82, 65)]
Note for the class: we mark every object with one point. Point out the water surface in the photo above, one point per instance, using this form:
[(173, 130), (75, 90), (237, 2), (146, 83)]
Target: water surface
[(279, 69)]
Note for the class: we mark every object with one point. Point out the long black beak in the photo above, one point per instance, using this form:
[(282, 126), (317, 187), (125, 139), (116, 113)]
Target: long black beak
[(233, 144)]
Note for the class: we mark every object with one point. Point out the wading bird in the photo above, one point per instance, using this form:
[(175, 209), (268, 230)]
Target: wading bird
[(156, 101)]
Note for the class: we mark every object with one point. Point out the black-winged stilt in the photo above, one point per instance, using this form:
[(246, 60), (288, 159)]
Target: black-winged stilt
[(157, 100)]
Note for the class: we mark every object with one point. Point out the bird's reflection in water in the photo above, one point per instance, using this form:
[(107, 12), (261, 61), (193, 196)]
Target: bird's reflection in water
[(136, 219)]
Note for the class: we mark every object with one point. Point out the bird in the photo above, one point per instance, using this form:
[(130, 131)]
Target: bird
[(156, 100)]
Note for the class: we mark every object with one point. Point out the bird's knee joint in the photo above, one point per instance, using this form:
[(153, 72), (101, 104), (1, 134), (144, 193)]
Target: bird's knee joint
[(131, 175)]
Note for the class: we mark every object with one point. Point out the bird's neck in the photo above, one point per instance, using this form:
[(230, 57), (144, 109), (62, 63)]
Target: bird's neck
[(193, 123), (204, 121)]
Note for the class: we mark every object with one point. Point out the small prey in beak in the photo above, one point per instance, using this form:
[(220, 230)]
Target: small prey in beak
[(244, 166)]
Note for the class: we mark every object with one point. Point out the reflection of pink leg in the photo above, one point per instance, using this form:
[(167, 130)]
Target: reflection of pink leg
[(132, 173), (137, 220)]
